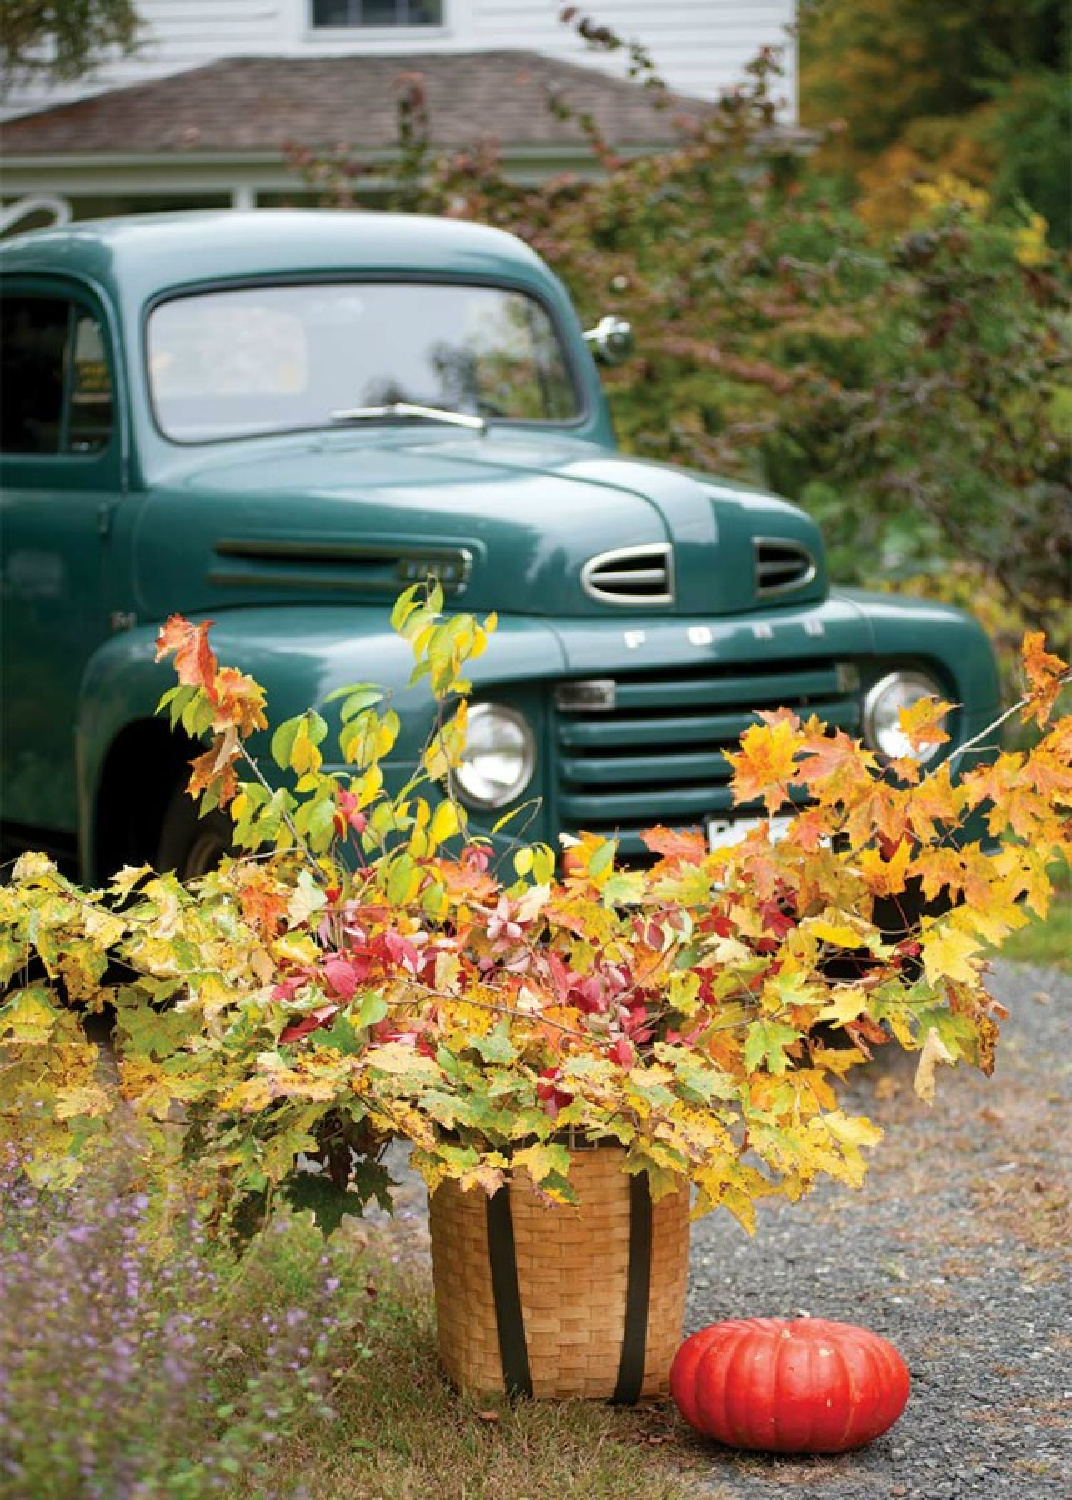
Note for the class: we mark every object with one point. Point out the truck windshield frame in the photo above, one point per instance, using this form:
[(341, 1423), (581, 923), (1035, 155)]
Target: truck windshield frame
[(227, 362)]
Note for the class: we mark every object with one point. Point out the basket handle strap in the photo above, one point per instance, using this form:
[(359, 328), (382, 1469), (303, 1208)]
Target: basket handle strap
[(637, 1294), (509, 1319)]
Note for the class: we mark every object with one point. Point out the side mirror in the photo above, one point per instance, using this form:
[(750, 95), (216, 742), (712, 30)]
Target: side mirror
[(611, 340)]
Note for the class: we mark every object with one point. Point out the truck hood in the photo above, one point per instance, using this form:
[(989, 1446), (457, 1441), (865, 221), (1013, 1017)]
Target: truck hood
[(535, 525)]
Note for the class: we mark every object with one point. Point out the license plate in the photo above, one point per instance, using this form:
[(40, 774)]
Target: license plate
[(723, 833)]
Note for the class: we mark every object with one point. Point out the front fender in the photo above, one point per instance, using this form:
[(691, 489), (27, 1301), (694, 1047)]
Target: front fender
[(299, 656)]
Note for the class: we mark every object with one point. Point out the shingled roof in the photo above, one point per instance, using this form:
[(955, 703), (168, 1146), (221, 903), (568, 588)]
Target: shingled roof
[(268, 104)]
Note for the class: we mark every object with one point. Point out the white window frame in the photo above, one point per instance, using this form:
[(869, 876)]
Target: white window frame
[(353, 30)]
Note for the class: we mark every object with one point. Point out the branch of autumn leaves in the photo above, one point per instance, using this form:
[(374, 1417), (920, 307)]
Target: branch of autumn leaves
[(369, 974)]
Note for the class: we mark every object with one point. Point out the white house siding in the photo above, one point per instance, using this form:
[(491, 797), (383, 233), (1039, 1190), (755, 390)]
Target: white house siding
[(698, 46)]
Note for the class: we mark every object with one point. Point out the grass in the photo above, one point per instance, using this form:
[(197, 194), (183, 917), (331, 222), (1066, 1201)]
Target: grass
[(1047, 942), (305, 1369)]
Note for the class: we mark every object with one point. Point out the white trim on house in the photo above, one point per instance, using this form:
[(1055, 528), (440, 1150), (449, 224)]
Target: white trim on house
[(243, 176)]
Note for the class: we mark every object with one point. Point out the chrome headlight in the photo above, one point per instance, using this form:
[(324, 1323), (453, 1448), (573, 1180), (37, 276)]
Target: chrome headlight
[(882, 707), (498, 759)]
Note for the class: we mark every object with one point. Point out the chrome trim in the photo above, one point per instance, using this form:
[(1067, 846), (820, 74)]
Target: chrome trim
[(878, 690), (791, 547), (611, 340), (409, 410), (588, 695), (610, 564), (500, 712)]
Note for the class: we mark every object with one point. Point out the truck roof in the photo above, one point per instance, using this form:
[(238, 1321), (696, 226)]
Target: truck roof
[(154, 251)]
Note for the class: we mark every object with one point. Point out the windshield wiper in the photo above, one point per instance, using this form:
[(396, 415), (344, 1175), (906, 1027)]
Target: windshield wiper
[(407, 410)]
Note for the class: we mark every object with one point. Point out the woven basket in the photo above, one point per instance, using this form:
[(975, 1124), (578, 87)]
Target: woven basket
[(559, 1301)]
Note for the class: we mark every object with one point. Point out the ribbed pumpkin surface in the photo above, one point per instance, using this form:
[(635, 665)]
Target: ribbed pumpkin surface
[(804, 1385)]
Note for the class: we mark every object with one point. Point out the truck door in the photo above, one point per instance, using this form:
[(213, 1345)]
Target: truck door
[(60, 478)]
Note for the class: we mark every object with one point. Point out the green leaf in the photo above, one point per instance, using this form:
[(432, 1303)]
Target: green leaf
[(373, 1008), (766, 1043), (316, 822), (603, 858), (402, 880), (316, 1193), (495, 1046), (357, 697), (283, 741), (341, 1036)]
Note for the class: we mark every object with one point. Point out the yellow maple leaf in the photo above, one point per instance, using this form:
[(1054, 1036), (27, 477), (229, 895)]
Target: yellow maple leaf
[(886, 875), (27, 1018), (839, 933), (766, 762), (934, 1052), (86, 1100), (541, 1159), (949, 953), (921, 722)]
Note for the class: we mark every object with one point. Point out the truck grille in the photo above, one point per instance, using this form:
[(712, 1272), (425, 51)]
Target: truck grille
[(630, 575), (781, 566), (658, 755)]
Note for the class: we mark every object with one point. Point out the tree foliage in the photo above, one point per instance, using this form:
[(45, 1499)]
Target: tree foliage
[(979, 87), (62, 40), (364, 972)]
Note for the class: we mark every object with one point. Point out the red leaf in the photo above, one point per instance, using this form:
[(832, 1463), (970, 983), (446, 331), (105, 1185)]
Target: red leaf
[(342, 976), (312, 1022)]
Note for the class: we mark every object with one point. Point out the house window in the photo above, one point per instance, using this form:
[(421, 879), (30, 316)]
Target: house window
[(372, 13)]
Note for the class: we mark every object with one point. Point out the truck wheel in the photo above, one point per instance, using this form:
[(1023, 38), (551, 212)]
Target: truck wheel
[(190, 845)]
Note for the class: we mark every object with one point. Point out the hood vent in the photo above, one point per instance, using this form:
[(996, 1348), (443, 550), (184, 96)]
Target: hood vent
[(284, 562), (782, 566), (631, 575)]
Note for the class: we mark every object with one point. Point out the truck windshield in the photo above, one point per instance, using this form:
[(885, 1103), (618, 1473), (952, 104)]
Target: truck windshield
[(225, 364)]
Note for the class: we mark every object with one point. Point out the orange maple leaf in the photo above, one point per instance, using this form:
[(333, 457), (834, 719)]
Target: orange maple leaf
[(195, 660), (688, 845), (263, 906), (216, 769), (833, 764), (239, 701), (462, 878), (766, 762), (1046, 675)]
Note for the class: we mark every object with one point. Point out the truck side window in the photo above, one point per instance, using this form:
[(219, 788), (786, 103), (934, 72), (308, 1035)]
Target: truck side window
[(55, 384)]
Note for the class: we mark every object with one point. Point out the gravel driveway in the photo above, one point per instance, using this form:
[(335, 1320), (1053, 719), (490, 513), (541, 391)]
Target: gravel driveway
[(956, 1249)]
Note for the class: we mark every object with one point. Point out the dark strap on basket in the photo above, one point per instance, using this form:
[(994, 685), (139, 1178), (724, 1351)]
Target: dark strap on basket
[(637, 1293), (509, 1321)]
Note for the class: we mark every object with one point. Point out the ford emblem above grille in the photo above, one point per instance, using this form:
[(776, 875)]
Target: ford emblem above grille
[(781, 566), (631, 575)]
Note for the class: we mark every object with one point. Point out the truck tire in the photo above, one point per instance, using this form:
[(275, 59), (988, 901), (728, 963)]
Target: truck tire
[(191, 845)]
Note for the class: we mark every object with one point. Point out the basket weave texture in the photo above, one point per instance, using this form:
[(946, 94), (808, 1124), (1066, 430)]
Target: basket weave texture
[(572, 1265)]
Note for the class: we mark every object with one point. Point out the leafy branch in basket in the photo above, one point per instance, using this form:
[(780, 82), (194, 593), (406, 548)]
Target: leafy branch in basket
[(367, 970)]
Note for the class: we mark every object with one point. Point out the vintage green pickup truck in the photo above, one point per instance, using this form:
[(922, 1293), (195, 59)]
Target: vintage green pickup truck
[(279, 420)]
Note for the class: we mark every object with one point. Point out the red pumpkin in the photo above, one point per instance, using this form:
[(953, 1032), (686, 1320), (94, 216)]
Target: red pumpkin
[(789, 1386)]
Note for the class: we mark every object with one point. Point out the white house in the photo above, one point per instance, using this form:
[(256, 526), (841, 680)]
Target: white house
[(211, 105)]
